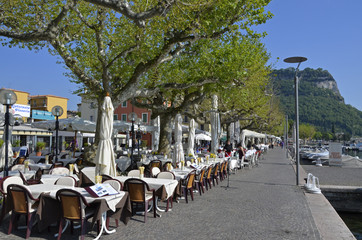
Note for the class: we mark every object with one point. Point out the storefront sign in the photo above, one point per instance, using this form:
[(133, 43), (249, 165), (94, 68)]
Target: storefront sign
[(22, 110), (42, 115)]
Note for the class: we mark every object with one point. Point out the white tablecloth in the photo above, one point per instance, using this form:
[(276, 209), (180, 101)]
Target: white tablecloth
[(27, 175), (37, 189), (156, 183), (42, 166), (52, 178)]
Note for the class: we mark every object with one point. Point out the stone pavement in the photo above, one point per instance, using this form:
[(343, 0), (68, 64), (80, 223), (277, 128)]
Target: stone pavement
[(261, 203)]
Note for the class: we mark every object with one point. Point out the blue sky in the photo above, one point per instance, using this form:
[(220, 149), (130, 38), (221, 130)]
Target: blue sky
[(327, 32)]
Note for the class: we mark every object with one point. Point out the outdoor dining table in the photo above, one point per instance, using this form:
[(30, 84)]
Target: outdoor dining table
[(164, 188), (28, 174), (52, 178), (48, 210), (36, 159), (65, 161), (42, 166)]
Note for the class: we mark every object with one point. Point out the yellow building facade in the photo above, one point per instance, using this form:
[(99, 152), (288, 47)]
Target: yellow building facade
[(47, 102)]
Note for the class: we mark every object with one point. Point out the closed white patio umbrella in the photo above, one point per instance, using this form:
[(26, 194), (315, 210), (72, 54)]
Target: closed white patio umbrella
[(179, 152), (105, 160)]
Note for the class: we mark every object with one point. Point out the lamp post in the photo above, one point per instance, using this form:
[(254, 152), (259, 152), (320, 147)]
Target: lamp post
[(298, 60), (132, 117), (57, 111), (138, 135), (286, 135), (7, 98)]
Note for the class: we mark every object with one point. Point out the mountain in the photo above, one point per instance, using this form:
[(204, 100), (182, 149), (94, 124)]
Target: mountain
[(320, 102)]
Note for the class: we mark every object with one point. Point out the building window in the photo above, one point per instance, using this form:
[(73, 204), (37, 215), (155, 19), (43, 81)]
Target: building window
[(115, 116), (124, 117), (91, 118), (144, 117), (202, 127), (124, 104), (186, 119)]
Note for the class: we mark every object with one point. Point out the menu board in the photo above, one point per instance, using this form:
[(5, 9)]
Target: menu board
[(100, 190), (335, 154)]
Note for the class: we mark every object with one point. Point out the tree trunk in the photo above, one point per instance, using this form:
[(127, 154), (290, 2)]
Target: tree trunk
[(98, 125), (165, 131)]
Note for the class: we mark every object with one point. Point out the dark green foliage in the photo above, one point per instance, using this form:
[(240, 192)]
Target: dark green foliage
[(320, 107)]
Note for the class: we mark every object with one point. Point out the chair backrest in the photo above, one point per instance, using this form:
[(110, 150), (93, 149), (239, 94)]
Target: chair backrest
[(19, 167), (208, 173), (191, 179), (202, 174), (73, 204), (216, 168), (166, 175), (156, 163), (76, 169), (59, 171), (155, 171), (134, 173), (66, 181), (5, 182), (106, 177), (21, 198), (226, 165), (165, 165), (222, 166), (136, 189), (116, 184)]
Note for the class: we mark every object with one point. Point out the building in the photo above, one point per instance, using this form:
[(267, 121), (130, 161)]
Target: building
[(41, 106), (89, 111)]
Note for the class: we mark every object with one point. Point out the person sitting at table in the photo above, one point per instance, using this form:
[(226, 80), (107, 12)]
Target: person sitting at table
[(228, 148), (241, 151)]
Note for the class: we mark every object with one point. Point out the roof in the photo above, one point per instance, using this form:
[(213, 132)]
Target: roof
[(46, 96)]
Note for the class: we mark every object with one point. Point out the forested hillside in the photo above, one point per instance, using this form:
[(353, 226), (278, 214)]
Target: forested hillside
[(320, 102)]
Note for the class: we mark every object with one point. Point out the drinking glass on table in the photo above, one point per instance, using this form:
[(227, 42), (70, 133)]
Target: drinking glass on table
[(98, 179)]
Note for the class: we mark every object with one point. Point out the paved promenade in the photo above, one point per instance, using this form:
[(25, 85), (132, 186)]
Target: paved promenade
[(261, 203)]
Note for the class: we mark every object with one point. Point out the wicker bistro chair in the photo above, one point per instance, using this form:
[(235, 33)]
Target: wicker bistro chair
[(156, 163), (140, 193), (74, 208), (22, 201), (189, 186), (117, 185), (215, 174), (167, 175), (4, 183), (208, 177), (200, 182), (33, 181), (59, 171), (66, 181), (155, 171), (221, 171), (134, 173), (226, 170)]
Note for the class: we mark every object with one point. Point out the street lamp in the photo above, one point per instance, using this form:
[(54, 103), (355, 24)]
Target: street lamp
[(298, 60), (286, 134), (57, 111), (138, 135), (132, 117), (7, 98)]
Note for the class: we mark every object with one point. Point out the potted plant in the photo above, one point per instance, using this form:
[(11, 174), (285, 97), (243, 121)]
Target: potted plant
[(39, 147)]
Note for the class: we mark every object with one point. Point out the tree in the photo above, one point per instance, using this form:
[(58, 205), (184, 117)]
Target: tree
[(115, 46), (306, 131)]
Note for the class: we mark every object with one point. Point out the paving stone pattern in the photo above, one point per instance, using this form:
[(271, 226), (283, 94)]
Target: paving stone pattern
[(260, 203)]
